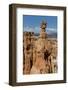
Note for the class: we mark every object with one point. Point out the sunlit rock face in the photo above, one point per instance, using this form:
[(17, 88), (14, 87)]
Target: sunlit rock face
[(39, 55)]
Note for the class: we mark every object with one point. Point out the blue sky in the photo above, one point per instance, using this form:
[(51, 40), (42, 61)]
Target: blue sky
[(32, 23)]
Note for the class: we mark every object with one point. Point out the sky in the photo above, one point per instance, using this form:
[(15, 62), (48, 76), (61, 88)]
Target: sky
[(32, 23)]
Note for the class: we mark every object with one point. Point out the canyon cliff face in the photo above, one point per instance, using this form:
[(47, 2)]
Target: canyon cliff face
[(39, 54)]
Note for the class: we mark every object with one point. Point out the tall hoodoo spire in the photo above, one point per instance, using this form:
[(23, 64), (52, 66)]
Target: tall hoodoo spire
[(43, 26), (43, 29)]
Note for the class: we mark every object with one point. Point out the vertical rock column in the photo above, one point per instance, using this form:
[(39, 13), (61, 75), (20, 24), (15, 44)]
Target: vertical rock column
[(27, 63), (28, 51)]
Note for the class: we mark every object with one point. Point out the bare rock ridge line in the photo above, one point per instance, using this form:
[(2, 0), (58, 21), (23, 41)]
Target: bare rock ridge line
[(39, 54)]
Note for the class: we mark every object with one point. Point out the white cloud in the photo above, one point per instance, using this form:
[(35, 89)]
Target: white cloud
[(37, 29), (32, 29), (29, 29), (51, 29)]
